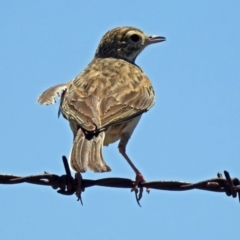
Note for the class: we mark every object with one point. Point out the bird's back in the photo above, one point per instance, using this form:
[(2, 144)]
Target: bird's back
[(108, 91)]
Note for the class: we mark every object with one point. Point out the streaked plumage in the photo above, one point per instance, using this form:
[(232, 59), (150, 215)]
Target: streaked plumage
[(104, 103)]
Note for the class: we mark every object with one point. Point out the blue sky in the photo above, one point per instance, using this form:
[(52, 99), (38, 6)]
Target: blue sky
[(190, 134)]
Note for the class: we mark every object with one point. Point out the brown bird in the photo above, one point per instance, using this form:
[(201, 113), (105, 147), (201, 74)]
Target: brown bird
[(104, 103)]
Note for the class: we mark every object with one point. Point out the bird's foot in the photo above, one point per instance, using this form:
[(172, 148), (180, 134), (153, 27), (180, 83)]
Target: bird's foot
[(68, 185), (80, 187), (138, 188)]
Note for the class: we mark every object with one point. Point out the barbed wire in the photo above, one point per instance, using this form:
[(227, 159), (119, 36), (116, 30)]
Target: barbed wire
[(67, 185)]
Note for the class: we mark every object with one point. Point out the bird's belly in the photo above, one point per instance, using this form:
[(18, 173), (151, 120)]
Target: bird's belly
[(110, 138), (116, 132)]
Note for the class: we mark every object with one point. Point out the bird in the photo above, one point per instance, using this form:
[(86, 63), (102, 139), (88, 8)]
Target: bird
[(105, 102)]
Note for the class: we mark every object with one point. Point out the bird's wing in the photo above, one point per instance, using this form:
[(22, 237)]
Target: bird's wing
[(98, 99), (127, 101), (49, 96)]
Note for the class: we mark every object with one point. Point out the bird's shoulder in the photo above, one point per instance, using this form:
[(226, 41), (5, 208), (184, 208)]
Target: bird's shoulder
[(110, 75)]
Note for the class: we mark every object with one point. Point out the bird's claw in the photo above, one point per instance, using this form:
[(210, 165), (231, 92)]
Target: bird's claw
[(138, 188), (68, 185), (80, 188)]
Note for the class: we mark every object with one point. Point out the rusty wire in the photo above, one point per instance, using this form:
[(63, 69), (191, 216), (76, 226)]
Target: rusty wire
[(67, 185)]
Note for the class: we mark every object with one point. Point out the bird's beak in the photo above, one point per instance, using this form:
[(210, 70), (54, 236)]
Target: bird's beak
[(155, 39)]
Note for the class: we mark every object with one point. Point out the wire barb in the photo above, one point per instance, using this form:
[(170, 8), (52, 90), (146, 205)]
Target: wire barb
[(230, 185)]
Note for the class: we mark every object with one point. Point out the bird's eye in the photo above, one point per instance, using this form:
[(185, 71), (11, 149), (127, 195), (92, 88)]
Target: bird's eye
[(135, 38)]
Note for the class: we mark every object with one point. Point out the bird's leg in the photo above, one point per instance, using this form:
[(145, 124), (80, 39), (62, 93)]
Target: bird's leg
[(139, 176)]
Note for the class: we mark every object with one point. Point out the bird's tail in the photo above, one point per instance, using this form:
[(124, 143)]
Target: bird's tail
[(87, 152)]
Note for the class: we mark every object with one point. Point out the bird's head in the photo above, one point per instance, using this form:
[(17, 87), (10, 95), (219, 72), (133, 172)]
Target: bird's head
[(125, 43)]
